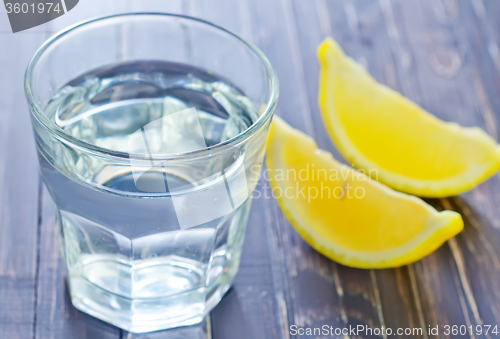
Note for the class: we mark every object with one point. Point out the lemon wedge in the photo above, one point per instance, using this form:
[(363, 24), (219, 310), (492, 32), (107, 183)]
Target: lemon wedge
[(344, 214), (408, 148)]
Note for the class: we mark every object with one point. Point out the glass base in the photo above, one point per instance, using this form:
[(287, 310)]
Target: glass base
[(148, 314)]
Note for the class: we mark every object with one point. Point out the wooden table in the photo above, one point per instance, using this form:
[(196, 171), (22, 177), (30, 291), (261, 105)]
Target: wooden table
[(443, 54)]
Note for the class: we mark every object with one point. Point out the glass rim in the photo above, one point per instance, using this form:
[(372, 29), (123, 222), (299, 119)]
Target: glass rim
[(61, 135)]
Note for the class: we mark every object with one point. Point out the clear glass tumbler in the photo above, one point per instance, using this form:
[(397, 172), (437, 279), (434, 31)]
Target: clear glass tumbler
[(151, 131)]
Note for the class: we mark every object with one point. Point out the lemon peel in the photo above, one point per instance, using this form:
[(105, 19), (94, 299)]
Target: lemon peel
[(377, 229), (376, 128)]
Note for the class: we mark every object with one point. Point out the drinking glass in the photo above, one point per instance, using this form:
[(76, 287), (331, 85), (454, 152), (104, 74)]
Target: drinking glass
[(150, 131)]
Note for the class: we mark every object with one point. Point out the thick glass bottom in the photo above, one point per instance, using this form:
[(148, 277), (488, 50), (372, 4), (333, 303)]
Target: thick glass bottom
[(145, 314)]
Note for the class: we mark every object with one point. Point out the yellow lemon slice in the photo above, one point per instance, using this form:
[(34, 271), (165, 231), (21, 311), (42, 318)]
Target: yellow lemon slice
[(344, 214), (411, 150)]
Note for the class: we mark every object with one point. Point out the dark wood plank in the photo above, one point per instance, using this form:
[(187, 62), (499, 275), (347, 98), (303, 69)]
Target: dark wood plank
[(251, 309), (355, 25), (452, 65), (308, 296), (476, 24), (434, 52), (203, 330), (19, 186), (359, 296), (244, 303), (478, 263), (455, 300), (55, 315)]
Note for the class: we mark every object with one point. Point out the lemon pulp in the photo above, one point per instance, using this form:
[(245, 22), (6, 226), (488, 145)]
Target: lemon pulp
[(344, 214), (376, 128)]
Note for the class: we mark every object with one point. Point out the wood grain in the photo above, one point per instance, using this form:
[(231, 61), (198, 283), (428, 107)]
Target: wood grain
[(250, 304), (443, 54), (391, 299), (446, 69), (55, 315), (19, 186), (251, 309)]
